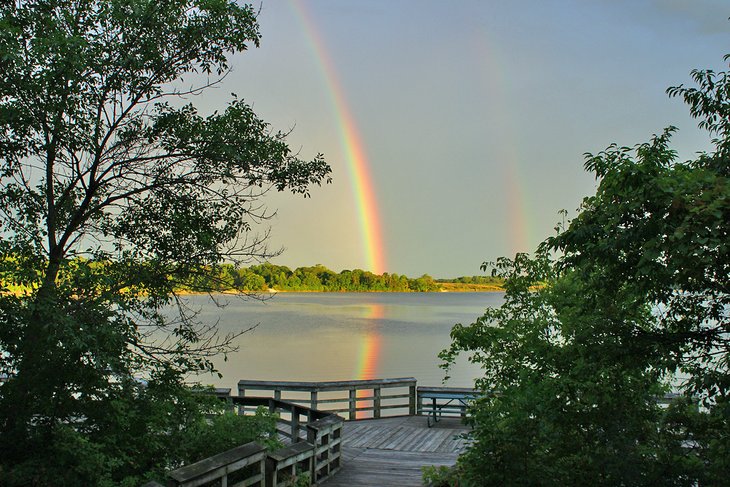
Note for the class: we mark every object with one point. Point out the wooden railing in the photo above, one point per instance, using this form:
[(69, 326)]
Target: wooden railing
[(358, 399), (307, 418), (314, 451), (245, 465)]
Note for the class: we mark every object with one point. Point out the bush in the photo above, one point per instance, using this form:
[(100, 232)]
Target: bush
[(207, 437)]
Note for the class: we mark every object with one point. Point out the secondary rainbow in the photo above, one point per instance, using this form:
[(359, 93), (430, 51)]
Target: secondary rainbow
[(516, 197), (357, 161)]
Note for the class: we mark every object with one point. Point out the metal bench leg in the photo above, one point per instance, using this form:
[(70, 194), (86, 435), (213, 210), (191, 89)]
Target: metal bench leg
[(432, 412)]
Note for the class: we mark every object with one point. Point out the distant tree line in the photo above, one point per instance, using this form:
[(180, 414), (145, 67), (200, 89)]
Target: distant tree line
[(480, 280), (318, 278), (263, 277)]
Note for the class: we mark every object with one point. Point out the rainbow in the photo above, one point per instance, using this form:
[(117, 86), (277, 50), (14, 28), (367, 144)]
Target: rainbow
[(522, 238), (368, 358), (353, 146), (518, 216)]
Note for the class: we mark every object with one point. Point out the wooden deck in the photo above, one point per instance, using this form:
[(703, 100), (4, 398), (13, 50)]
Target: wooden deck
[(391, 451)]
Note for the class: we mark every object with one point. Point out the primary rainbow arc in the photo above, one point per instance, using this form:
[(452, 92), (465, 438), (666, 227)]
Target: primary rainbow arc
[(357, 161)]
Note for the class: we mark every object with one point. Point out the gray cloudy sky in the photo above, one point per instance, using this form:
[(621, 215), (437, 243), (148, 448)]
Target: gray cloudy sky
[(474, 115)]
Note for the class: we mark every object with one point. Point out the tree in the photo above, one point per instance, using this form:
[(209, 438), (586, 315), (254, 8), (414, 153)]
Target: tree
[(627, 302), (567, 396), (424, 283), (275, 276), (113, 192), (249, 281)]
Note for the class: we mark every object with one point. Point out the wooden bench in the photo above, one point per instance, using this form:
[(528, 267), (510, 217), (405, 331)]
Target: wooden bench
[(436, 402)]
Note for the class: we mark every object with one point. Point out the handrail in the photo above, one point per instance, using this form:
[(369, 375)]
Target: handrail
[(363, 398), (295, 418), (315, 450), (218, 467)]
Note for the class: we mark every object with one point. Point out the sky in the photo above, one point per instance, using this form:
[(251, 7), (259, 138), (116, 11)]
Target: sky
[(456, 131)]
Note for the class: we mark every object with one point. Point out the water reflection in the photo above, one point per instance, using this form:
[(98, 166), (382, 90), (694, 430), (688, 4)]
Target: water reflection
[(370, 349), (369, 356), (343, 336), (374, 311)]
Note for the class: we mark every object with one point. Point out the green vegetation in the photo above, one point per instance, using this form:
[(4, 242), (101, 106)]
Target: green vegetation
[(634, 302), (440, 476), (227, 278), (473, 283), (259, 278), (224, 430), (111, 192)]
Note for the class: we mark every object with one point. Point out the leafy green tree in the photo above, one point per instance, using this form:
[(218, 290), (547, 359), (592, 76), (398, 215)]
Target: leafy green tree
[(356, 276), (309, 278), (566, 401), (424, 283), (276, 276), (225, 430), (637, 303), (99, 159), (324, 275), (249, 281)]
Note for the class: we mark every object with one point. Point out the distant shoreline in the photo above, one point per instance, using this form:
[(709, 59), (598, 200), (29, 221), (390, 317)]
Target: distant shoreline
[(442, 290)]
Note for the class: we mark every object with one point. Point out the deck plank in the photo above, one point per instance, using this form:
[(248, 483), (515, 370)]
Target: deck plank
[(392, 451)]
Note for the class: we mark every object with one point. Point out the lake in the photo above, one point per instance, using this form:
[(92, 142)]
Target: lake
[(344, 336)]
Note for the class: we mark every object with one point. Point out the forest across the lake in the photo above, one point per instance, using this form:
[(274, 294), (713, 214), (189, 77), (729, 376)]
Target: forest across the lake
[(318, 278), (269, 277)]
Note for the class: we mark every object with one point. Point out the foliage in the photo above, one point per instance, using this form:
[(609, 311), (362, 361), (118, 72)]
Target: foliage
[(485, 280), (255, 279), (112, 191), (299, 479), (316, 278), (441, 476), (224, 431), (660, 229), (636, 302), (570, 401), (321, 279), (136, 434)]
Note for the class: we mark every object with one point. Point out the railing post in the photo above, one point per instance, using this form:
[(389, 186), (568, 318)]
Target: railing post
[(241, 409), (412, 400), (313, 399), (277, 394), (326, 436), (353, 403), (294, 424), (376, 402)]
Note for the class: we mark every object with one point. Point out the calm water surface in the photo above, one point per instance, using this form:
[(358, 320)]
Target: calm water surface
[(343, 336)]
